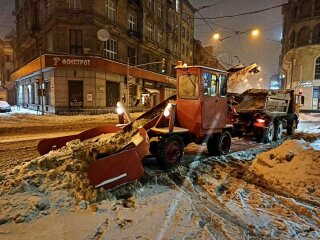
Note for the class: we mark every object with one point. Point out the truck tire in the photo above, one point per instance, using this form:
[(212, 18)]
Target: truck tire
[(278, 130), (259, 134), (269, 133), (219, 144), (292, 126), (170, 151)]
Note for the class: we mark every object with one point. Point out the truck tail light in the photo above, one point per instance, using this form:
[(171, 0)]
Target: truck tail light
[(260, 120)]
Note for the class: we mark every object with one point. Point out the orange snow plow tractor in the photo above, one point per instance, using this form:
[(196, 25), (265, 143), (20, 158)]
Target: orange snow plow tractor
[(196, 114)]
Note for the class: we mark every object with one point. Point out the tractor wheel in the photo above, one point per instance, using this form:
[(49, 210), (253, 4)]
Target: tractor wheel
[(170, 151), (154, 145), (292, 126), (278, 131), (269, 134), (219, 144)]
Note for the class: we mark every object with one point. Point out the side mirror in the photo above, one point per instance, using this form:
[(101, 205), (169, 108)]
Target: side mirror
[(302, 100)]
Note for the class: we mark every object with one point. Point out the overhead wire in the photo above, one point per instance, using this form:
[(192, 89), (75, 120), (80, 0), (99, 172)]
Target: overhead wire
[(252, 12)]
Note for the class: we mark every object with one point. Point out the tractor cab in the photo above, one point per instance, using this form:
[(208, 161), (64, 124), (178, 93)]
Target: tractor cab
[(201, 99)]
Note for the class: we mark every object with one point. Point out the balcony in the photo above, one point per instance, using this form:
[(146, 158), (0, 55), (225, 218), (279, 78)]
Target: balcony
[(134, 34)]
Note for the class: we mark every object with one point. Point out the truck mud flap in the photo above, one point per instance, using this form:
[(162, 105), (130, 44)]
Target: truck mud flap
[(48, 144), (120, 168)]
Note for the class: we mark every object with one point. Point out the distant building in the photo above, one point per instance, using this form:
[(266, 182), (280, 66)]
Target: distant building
[(300, 59), (204, 56), (81, 71), (7, 87)]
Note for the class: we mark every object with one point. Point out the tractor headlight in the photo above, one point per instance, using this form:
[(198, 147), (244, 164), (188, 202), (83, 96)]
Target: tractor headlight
[(119, 109), (167, 110)]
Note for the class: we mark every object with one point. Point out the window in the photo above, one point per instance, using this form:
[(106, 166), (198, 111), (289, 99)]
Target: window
[(111, 48), (316, 92), (303, 36), (160, 10), (132, 55), (177, 5), (187, 35), (33, 96), (75, 41), (317, 69), (317, 8), (149, 30), (305, 8), (110, 9), (209, 84), (150, 5), (292, 39), (74, 4), (223, 85), (132, 21), (160, 37), (188, 86), (316, 34), (49, 42)]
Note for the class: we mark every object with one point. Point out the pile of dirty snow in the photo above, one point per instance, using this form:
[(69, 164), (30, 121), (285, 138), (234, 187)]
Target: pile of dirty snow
[(293, 167), (58, 180)]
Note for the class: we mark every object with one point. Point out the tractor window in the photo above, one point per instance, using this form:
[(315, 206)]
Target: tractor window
[(209, 84), (223, 85), (188, 86)]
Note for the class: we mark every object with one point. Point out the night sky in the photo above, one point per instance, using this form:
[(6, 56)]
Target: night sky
[(264, 51)]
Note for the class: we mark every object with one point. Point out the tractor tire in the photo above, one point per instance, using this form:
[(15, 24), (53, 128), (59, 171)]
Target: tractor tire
[(154, 145), (278, 130), (170, 151), (219, 144)]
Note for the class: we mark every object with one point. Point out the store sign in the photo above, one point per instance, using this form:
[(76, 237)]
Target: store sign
[(305, 84), (71, 61)]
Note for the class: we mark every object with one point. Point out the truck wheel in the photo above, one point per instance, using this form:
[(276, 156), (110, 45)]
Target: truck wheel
[(219, 144), (258, 134), (269, 135), (292, 126), (278, 131), (170, 151)]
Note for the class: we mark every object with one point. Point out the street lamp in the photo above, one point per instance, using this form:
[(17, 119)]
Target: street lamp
[(216, 36), (255, 32)]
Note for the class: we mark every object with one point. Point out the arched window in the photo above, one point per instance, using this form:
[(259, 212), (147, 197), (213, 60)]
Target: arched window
[(317, 8), (292, 40), (305, 8), (317, 69), (303, 36), (316, 34)]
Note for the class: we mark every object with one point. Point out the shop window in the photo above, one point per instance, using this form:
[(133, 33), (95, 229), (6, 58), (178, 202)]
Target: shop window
[(317, 69), (75, 41), (305, 9), (316, 92), (33, 96), (303, 36)]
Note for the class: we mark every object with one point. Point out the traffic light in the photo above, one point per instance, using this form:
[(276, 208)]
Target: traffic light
[(163, 65)]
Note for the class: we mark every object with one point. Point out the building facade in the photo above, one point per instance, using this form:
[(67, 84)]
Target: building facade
[(7, 88), (300, 58), (79, 70)]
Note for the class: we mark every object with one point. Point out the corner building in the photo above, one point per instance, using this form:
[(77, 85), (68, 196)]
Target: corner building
[(300, 58), (58, 52)]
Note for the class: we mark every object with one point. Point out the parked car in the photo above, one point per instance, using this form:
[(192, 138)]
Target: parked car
[(5, 106)]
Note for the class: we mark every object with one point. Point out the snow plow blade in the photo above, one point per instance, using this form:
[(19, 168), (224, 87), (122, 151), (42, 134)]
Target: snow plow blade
[(120, 168), (48, 144)]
